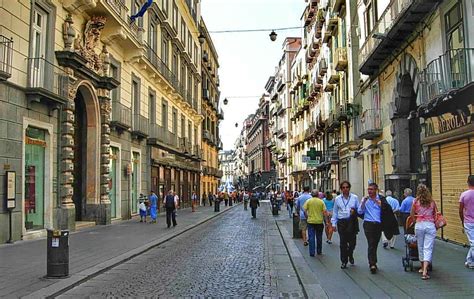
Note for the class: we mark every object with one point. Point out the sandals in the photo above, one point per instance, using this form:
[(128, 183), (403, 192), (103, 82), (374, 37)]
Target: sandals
[(425, 277)]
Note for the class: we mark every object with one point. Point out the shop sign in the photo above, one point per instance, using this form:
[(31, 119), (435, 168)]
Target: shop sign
[(34, 141), (448, 121), (11, 187)]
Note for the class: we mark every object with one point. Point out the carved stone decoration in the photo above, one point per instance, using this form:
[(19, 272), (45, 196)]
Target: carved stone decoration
[(68, 33), (105, 57), (90, 39), (105, 108)]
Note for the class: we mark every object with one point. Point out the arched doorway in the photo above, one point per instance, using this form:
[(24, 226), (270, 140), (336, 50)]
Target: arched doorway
[(406, 143), (86, 153)]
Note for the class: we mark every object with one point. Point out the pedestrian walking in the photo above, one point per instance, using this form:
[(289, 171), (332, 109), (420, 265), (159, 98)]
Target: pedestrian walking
[(142, 209), (204, 198), (329, 203), (246, 200), (344, 220), (378, 217), (153, 206), (466, 213), (299, 209), (194, 201), (254, 204), (424, 210), (226, 199), (170, 204), (395, 205), (279, 199), (315, 210), (289, 202), (405, 207), (210, 197)]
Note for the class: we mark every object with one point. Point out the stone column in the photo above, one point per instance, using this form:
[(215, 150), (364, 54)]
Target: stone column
[(105, 108), (67, 216)]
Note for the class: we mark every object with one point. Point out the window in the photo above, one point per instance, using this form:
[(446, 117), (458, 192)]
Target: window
[(183, 31), (175, 64), (190, 82), (152, 36), (164, 49), (39, 33), (183, 126), (454, 28), (175, 121), (35, 147), (190, 131), (164, 114), (183, 73), (165, 4), (190, 44), (136, 5), (115, 73), (196, 53), (175, 17), (135, 99), (152, 106)]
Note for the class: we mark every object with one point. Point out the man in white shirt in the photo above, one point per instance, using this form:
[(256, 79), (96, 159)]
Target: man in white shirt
[(393, 202), (344, 220)]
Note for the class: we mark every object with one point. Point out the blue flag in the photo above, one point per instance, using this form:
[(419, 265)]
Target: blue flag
[(141, 12)]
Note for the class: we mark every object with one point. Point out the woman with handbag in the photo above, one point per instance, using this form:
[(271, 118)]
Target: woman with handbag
[(425, 212)]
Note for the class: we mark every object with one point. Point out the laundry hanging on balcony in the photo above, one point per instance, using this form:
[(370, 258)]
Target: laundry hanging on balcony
[(141, 12)]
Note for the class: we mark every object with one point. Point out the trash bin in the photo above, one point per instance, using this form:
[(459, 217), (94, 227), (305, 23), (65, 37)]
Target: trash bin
[(296, 226), (217, 206), (57, 263), (274, 208)]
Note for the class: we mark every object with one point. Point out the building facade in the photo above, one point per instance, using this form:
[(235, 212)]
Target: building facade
[(96, 110), (212, 114), (226, 165)]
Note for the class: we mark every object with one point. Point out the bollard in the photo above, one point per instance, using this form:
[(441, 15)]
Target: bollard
[(296, 226), (57, 262)]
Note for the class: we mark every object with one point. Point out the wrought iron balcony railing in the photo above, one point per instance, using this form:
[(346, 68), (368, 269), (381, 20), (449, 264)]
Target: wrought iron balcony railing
[(140, 126), (6, 55), (47, 81), (162, 68), (370, 124), (452, 70), (121, 117)]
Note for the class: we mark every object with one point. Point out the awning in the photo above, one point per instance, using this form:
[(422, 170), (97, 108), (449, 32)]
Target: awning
[(451, 101)]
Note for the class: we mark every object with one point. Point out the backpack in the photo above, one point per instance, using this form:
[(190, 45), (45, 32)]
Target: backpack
[(169, 203)]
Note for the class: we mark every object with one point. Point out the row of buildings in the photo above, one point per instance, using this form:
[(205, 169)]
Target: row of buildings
[(372, 91), (96, 110)]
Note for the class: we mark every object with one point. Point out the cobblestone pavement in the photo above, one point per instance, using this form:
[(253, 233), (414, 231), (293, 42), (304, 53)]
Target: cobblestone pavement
[(231, 256)]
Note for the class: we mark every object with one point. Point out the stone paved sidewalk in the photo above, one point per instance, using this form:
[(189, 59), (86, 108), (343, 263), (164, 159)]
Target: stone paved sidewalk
[(449, 279), (23, 264)]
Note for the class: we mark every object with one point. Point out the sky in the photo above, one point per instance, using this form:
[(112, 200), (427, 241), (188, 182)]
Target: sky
[(247, 60)]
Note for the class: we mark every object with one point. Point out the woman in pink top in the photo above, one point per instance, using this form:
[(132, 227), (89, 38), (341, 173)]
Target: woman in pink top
[(424, 209)]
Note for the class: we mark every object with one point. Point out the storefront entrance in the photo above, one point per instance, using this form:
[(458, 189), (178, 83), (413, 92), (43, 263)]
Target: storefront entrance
[(80, 162)]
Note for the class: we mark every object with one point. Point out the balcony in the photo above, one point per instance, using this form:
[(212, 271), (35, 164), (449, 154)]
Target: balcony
[(309, 14), (370, 124), (281, 134), (6, 55), (331, 156), (158, 134), (395, 26), (47, 83), (340, 59), (205, 94), (449, 72), (322, 67), (336, 5), (160, 66), (140, 126), (333, 121), (220, 115), (121, 118), (331, 25), (333, 77), (197, 152)]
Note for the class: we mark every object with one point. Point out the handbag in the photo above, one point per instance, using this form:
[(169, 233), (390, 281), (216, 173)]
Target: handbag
[(440, 221)]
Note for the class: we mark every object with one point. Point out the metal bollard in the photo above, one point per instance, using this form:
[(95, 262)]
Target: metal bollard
[(296, 226), (57, 263)]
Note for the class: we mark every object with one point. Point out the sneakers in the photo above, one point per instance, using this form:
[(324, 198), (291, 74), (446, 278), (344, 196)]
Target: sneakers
[(343, 265), (373, 269), (385, 244), (351, 260), (467, 265)]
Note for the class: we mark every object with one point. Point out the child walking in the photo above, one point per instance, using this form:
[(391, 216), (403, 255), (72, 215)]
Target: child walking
[(142, 208)]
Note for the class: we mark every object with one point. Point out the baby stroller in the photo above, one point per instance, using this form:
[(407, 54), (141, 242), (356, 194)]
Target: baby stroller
[(411, 246)]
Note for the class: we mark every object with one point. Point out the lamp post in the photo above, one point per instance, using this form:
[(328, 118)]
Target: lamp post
[(273, 36)]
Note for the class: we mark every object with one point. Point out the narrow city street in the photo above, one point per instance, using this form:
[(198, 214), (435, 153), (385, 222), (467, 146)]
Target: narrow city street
[(231, 256)]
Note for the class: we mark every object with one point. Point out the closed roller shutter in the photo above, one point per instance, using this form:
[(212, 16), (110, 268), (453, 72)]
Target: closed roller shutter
[(436, 178), (454, 165)]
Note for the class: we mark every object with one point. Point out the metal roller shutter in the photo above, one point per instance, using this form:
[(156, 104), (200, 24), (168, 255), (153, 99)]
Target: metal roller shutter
[(454, 169), (436, 178)]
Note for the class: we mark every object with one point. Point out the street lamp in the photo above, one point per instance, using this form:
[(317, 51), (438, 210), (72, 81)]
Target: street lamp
[(273, 36), (201, 38), (236, 125), (225, 101)]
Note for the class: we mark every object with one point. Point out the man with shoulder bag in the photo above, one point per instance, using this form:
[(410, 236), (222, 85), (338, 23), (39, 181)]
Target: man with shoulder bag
[(170, 204)]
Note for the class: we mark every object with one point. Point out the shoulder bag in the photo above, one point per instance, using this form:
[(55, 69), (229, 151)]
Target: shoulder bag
[(439, 219)]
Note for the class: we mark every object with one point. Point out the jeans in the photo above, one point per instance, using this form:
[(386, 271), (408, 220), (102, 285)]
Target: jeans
[(425, 232), (170, 216), (289, 207), (315, 230), (373, 232), (469, 229), (347, 240)]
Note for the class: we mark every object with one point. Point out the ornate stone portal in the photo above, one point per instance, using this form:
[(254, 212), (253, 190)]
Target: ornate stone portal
[(88, 71)]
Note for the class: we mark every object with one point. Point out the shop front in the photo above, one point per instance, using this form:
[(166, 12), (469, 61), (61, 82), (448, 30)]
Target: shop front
[(449, 136)]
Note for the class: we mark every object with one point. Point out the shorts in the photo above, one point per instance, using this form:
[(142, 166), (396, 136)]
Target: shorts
[(303, 224)]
